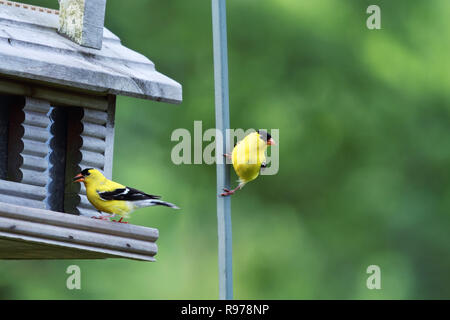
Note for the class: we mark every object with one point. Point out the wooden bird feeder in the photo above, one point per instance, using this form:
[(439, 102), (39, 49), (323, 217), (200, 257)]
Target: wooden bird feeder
[(60, 72)]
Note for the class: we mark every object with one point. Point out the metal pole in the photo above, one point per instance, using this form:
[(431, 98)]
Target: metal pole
[(222, 124)]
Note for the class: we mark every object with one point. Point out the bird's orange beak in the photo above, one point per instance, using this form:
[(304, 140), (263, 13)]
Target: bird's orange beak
[(271, 142), (78, 178)]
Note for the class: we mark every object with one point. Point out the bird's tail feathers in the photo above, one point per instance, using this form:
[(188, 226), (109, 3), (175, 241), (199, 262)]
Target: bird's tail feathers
[(153, 202), (166, 204)]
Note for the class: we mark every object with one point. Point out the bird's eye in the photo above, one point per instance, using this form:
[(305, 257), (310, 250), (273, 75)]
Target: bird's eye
[(264, 135), (86, 172)]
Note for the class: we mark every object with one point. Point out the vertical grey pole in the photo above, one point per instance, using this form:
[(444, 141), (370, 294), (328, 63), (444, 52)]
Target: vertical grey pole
[(222, 124)]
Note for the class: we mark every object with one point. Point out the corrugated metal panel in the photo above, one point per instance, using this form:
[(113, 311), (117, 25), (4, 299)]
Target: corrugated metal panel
[(34, 148), (34, 163), (95, 116), (36, 119), (22, 201), (35, 133), (93, 129), (92, 159), (87, 135), (94, 144), (34, 177), (22, 190), (35, 138), (94, 139), (92, 151), (22, 194), (28, 162)]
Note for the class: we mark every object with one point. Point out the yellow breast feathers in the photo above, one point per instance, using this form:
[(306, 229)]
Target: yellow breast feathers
[(247, 157)]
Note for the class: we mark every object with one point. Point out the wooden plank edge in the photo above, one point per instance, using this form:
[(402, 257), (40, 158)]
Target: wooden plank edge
[(72, 236), (78, 222), (55, 96), (78, 247)]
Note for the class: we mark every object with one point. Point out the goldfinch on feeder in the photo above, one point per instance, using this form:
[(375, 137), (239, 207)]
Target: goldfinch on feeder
[(248, 157), (111, 197)]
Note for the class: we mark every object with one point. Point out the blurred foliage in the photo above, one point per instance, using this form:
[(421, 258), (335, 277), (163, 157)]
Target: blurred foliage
[(364, 146)]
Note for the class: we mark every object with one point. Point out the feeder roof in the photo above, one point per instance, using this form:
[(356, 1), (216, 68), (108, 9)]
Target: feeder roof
[(31, 48)]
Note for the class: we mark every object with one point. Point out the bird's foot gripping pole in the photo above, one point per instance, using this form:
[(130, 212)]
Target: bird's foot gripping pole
[(229, 192), (228, 157)]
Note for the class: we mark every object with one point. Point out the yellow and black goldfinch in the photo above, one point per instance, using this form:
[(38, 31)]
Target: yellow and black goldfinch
[(248, 157), (112, 197)]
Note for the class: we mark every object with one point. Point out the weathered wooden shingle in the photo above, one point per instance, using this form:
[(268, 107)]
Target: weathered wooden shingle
[(31, 48)]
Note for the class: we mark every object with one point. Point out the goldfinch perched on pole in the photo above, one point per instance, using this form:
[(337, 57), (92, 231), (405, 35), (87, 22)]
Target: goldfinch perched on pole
[(111, 197), (249, 157)]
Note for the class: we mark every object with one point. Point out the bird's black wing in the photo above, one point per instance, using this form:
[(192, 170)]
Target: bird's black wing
[(263, 166), (126, 194)]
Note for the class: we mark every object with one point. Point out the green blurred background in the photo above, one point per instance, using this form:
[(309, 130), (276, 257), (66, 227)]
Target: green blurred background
[(364, 119)]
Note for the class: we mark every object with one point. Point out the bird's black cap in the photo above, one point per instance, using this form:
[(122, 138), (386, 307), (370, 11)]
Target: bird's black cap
[(85, 172), (264, 135)]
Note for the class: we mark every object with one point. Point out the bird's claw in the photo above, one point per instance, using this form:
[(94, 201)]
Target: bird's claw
[(120, 221), (101, 218), (227, 192)]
